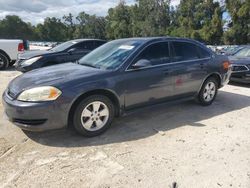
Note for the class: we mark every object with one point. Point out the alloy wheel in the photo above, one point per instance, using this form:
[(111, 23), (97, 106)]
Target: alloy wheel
[(209, 91), (94, 116)]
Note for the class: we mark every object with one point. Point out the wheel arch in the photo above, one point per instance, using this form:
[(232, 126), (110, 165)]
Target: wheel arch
[(5, 54), (105, 92), (216, 75)]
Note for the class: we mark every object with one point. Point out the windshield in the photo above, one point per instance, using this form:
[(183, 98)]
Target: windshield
[(245, 52), (110, 55), (63, 46)]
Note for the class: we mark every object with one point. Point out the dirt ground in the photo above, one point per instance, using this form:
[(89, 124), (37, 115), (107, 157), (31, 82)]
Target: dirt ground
[(194, 146)]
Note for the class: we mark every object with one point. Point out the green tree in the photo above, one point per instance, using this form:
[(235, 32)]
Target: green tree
[(239, 27), (212, 30), (70, 25), (118, 21), (52, 30), (150, 17), (90, 26), (198, 19), (12, 27)]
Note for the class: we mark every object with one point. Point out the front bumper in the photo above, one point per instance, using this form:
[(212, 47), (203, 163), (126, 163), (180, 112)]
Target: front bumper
[(242, 77), (21, 68), (36, 116)]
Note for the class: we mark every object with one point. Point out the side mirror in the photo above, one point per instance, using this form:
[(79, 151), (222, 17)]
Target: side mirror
[(141, 64), (70, 51)]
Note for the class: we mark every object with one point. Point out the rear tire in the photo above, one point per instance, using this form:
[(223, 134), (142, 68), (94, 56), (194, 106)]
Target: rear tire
[(4, 62), (208, 92), (93, 115)]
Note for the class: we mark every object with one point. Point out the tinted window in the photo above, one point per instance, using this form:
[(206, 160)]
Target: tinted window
[(203, 53), (156, 53), (78, 46), (182, 51), (99, 43), (88, 45)]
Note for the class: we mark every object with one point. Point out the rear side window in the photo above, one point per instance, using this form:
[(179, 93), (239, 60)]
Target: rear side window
[(88, 45), (99, 43), (183, 51), (157, 53), (203, 53)]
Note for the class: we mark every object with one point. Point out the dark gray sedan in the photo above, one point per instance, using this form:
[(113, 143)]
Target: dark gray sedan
[(117, 77)]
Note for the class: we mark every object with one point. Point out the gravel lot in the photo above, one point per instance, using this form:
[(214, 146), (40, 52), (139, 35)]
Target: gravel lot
[(185, 143)]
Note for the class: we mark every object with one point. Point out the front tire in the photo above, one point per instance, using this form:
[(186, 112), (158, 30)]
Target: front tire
[(208, 92), (93, 115), (4, 62)]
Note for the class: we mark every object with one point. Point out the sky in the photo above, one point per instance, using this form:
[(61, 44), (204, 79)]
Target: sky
[(35, 11)]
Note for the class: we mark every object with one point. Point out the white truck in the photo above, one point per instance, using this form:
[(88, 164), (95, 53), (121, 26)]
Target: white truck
[(9, 50)]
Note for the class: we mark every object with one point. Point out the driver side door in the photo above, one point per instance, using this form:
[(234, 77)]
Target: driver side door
[(151, 83)]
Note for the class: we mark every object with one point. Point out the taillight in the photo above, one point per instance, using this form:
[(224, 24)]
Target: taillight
[(226, 65), (20, 47)]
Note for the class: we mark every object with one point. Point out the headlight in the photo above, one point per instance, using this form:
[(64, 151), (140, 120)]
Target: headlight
[(31, 61), (44, 93)]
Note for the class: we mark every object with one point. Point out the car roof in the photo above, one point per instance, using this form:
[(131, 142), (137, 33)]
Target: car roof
[(151, 39), (82, 40)]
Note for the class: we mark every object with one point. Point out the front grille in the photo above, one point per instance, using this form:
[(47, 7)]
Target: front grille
[(239, 68), (30, 122)]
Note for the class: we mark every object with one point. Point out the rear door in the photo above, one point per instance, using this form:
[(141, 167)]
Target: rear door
[(189, 67), (152, 83)]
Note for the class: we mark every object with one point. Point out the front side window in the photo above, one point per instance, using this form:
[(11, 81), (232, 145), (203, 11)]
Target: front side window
[(156, 53), (183, 51), (203, 53)]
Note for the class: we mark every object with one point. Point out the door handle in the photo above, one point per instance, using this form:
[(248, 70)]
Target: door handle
[(202, 65)]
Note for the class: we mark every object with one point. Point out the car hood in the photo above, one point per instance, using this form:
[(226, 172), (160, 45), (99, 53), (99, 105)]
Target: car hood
[(239, 60), (30, 54), (56, 75)]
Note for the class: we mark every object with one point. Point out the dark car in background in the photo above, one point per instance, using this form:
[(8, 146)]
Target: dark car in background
[(118, 77), (241, 66), (69, 51)]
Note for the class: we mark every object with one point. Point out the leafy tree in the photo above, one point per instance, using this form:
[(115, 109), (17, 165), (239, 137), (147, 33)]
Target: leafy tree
[(151, 18), (13, 27), (239, 27), (197, 19), (118, 21), (52, 30), (70, 25), (90, 26)]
